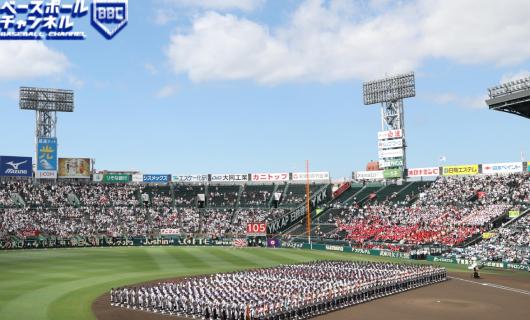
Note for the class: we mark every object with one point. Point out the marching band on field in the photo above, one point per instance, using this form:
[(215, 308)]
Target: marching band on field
[(284, 292)]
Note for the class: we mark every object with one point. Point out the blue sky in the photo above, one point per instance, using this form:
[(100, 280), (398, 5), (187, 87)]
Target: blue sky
[(262, 85)]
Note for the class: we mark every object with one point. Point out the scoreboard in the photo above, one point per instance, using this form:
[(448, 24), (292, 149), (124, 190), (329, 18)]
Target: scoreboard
[(257, 229)]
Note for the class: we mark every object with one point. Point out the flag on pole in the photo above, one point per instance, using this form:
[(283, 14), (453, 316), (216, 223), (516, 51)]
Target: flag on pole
[(240, 243)]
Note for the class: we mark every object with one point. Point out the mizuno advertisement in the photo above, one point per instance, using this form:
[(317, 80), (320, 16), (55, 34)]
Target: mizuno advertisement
[(15, 166)]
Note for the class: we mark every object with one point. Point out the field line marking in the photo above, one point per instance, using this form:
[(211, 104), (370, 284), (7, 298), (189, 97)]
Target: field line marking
[(493, 285)]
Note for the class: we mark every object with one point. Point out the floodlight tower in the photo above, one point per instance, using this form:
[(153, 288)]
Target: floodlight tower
[(390, 92), (46, 103), (511, 97)]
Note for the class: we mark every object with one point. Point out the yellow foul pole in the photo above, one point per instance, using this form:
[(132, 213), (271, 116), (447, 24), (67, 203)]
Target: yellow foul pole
[(308, 209)]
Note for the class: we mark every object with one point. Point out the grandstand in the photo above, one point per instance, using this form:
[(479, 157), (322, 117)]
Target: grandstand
[(451, 212)]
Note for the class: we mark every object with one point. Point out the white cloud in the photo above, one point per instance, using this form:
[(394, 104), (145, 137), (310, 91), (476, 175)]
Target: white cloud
[(449, 98), (244, 5), (29, 59), (166, 91), (336, 40), (151, 69), (10, 94), (514, 76), (171, 10)]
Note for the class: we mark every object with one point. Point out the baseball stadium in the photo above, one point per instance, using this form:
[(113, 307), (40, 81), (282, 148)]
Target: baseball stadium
[(436, 227)]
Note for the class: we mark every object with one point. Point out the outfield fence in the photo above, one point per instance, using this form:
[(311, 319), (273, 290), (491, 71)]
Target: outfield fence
[(401, 255)]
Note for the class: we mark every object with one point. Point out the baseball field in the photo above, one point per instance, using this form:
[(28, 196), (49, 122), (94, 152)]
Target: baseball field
[(71, 283)]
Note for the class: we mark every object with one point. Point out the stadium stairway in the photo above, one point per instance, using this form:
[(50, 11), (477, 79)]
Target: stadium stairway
[(73, 200), (412, 188), (365, 193), (346, 195), (239, 193), (389, 190), (18, 200), (298, 226)]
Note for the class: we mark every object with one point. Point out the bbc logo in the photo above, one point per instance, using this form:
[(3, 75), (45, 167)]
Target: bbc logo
[(110, 13)]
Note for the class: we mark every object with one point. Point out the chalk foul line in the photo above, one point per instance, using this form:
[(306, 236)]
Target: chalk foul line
[(493, 285)]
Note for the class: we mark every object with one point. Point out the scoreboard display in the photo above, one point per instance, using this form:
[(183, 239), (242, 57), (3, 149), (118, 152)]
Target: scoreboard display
[(257, 229)]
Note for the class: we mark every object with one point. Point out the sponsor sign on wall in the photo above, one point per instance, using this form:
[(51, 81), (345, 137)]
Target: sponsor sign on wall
[(116, 178), (423, 172), (156, 178), (460, 170), (169, 232), (137, 177), (78, 168), (302, 176), (391, 134), (190, 178), (341, 189), (97, 177), (46, 158), (398, 162), (270, 177), (16, 166), (389, 144), (369, 175), (393, 173), (222, 177), (390, 153), (503, 167)]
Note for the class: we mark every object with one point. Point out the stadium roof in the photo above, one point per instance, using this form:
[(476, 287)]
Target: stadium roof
[(512, 97)]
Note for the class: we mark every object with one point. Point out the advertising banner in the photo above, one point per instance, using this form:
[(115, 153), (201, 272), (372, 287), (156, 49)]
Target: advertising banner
[(156, 178), (488, 235), (46, 158), (393, 173), (169, 232), (341, 189), (274, 243), (16, 166), (503, 167), (270, 177), (389, 144), (190, 178), (391, 153), (302, 176), (97, 177), (514, 213), (460, 170), (220, 177), (398, 162), (256, 229), (137, 177), (423, 172), (116, 178), (78, 168), (369, 175), (391, 134)]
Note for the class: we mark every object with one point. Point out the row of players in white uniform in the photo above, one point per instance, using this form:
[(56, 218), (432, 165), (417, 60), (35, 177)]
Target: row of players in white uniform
[(283, 292)]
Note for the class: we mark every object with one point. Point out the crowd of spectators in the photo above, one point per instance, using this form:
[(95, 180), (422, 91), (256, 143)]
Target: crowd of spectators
[(449, 212), (507, 244), (125, 209)]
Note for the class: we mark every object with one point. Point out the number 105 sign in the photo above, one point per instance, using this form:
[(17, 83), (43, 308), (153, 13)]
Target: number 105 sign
[(256, 229)]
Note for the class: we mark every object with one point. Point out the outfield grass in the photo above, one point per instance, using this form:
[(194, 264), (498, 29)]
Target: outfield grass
[(62, 283)]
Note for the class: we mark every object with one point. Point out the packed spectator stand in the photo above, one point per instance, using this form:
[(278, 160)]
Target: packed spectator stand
[(86, 209), (452, 212)]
